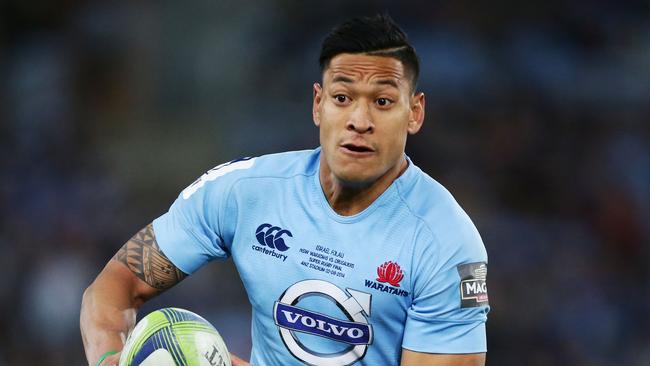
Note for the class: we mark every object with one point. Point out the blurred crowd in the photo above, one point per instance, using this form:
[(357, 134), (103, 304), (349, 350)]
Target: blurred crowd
[(538, 121)]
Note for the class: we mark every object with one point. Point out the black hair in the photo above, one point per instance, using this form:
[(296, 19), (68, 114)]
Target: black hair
[(377, 35)]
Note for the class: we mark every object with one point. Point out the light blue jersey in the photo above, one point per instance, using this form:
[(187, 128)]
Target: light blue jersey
[(409, 271)]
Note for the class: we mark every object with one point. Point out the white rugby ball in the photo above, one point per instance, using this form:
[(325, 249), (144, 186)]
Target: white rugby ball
[(174, 337)]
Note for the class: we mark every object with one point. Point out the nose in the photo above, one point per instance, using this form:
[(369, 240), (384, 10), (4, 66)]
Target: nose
[(360, 120)]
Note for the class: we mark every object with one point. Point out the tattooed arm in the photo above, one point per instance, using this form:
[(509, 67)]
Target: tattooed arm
[(138, 272), (143, 257)]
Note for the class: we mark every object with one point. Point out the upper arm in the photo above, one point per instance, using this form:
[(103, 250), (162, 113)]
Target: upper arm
[(411, 358), (199, 226), (449, 308), (186, 237), (149, 270)]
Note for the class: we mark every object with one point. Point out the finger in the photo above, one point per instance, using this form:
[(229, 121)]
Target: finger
[(236, 361)]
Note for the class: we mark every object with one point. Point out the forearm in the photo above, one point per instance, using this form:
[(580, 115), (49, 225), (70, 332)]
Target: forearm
[(108, 312), (137, 272)]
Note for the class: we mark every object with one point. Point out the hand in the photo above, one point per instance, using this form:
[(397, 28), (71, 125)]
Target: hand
[(112, 360), (236, 361)]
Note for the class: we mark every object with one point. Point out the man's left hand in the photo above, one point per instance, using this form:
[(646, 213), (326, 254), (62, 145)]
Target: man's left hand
[(236, 361)]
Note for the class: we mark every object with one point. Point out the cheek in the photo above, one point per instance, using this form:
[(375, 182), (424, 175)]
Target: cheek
[(329, 112), (396, 145), (327, 134), (396, 127), (328, 122), (324, 128), (394, 139)]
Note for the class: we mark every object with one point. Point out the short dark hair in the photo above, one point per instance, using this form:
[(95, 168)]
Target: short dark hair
[(377, 35)]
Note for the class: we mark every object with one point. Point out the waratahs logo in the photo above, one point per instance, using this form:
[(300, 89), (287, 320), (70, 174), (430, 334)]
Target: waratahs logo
[(390, 273), (271, 236)]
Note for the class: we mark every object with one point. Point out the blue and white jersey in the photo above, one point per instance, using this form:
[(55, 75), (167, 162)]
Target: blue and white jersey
[(409, 271)]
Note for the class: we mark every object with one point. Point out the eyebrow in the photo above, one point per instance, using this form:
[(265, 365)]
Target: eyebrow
[(345, 79), (390, 82), (342, 79)]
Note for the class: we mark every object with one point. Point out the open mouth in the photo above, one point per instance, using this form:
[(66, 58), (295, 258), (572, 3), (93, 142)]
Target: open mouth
[(357, 148)]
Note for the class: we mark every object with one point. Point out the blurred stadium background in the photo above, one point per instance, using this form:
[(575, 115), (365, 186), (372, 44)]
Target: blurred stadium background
[(538, 121)]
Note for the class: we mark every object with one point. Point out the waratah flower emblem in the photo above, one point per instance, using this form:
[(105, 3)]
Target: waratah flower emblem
[(390, 272)]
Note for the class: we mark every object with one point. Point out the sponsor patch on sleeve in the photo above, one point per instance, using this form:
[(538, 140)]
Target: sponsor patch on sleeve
[(473, 285)]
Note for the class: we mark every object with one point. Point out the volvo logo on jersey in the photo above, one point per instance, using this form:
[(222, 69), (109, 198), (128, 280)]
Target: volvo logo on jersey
[(271, 240), (295, 318), (354, 332)]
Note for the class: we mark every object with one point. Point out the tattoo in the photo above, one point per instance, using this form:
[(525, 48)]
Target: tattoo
[(142, 255)]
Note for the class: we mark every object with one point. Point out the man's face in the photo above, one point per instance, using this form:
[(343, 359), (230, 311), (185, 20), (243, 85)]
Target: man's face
[(365, 109)]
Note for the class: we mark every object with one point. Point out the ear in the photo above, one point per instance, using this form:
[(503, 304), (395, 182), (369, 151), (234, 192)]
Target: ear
[(416, 115), (315, 111)]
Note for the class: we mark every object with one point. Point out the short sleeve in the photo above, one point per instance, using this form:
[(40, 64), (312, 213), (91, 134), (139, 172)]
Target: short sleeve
[(191, 233), (450, 302)]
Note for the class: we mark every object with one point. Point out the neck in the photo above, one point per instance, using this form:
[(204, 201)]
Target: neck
[(350, 198)]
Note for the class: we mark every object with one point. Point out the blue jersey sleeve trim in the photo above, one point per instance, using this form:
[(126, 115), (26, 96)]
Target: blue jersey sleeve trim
[(183, 256), (445, 337), (481, 318)]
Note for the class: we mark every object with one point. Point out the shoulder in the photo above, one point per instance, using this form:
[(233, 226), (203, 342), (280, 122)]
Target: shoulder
[(286, 164), (279, 165), (448, 226)]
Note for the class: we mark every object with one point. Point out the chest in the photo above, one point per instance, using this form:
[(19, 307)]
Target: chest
[(303, 256), (329, 287)]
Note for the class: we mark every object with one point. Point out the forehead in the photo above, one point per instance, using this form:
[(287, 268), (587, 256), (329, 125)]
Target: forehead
[(365, 68)]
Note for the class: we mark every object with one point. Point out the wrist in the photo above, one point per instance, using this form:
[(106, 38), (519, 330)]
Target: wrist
[(103, 357)]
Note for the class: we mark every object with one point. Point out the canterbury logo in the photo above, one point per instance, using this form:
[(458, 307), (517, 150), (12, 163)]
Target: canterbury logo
[(271, 236)]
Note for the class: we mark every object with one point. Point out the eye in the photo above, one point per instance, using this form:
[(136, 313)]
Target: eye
[(383, 102), (341, 98)]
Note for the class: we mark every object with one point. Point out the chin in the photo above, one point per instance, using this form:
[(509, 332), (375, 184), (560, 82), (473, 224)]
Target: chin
[(355, 178)]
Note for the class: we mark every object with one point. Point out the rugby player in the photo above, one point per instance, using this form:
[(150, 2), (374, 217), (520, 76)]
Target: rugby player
[(349, 253)]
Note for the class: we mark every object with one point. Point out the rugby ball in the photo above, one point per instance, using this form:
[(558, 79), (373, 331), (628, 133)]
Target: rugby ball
[(174, 337)]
